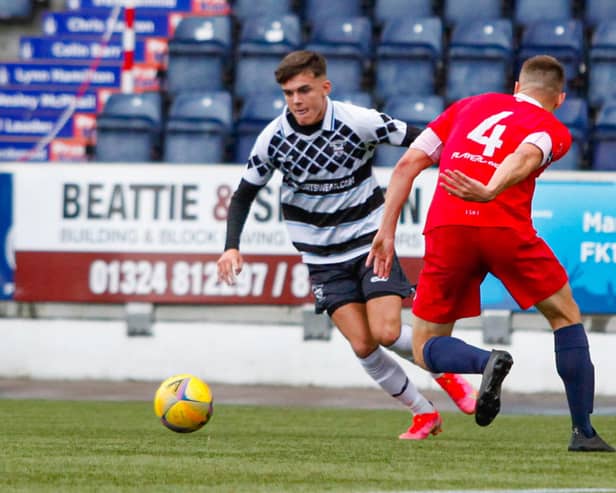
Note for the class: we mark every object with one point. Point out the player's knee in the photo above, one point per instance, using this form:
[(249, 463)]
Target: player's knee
[(363, 347), (389, 333)]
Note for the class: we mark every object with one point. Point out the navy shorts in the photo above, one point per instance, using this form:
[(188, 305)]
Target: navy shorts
[(334, 285)]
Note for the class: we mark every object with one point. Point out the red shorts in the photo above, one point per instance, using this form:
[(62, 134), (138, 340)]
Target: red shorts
[(458, 258)]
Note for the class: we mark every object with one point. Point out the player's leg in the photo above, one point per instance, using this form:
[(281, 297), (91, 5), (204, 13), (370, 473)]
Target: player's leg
[(574, 367), (388, 330)]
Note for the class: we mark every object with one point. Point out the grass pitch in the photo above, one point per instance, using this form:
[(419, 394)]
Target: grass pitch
[(60, 446)]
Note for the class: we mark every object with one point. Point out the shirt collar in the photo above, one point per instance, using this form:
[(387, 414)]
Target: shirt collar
[(328, 119), (525, 97)]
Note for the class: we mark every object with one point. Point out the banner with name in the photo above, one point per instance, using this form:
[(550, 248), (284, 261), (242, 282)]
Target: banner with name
[(16, 150), (67, 48), (7, 257), (29, 74), (34, 124), (43, 100), (121, 233), (93, 22), (210, 7)]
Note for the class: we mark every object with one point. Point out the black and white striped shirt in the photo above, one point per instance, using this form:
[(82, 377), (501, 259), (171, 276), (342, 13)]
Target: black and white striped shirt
[(330, 200)]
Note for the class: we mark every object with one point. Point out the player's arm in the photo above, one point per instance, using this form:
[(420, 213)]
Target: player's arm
[(516, 167), (412, 162), (230, 262)]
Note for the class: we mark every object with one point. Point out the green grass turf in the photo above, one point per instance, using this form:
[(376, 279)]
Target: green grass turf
[(85, 447)]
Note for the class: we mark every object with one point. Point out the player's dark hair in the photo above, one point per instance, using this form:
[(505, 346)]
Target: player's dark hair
[(544, 72), (300, 61)]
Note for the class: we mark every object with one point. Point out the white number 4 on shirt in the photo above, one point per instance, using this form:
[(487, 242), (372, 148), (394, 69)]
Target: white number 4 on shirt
[(492, 141)]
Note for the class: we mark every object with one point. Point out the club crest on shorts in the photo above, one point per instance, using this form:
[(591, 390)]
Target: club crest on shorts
[(374, 279)]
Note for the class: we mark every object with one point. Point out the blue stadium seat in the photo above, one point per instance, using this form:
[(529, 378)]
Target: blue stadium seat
[(526, 12), (257, 111), (602, 64), (358, 98), (387, 10), (316, 11), (347, 45), (455, 11), (198, 127), (479, 58), (574, 114), (247, 9), (604, 138), (561, 39), (414, 110), (198, 54), (16, 9), (263, 42), (408, 55), (128, 128), (596, 11)]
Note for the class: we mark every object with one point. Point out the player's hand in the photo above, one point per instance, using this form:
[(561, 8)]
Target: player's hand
[(381, 255), (465, 187), (229, 266)]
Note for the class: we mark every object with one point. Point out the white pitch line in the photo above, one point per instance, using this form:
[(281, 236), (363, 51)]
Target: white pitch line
[(546, 490)]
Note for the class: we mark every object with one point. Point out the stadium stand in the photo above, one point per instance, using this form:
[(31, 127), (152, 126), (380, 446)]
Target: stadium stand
[(408, 56), (388, 10), (16, 9), (602, 64), (527, 12), (263, 42), (562, 39), (198, 54), (596, 11), (604, 138), (198, 127), (574, 113), (347, 44), (479, 58), (129, 128), (257, 111), (247, 9), (316, 11), (456, 11), (414, 110)]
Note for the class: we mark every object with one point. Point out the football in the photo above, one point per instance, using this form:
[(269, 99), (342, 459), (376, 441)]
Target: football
[(183, 403)]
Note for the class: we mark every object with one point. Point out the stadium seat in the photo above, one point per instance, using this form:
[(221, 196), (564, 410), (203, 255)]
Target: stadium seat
[(604, 138), (316, 11), (16, 9), (527, 12), (479, 58), (561, 39), (358, 98), (602, 64), (596, 11), (387, 10), (455, 11), (408, 56), (198, 127), (257, 111), (574, 114), (263, 42), (414, 110), (198, 54), (128, 128), (247, 9), (347, 45)]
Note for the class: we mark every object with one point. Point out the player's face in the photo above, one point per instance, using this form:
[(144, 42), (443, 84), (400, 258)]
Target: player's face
[(306, 96)]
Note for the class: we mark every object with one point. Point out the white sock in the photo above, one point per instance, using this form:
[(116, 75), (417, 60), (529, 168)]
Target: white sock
[(391, 377), (403, 346)]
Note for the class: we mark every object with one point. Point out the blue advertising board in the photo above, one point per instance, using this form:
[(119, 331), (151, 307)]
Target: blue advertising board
[(94, 22), (7, 258), (581, 231), (16, 150), (42, 99), (75, 48), (32, 74)]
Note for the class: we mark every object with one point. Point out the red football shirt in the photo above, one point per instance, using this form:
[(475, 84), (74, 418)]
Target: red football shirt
[(477, 134)]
